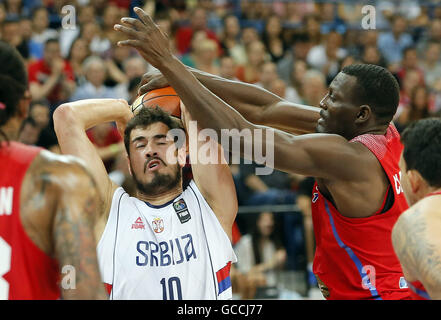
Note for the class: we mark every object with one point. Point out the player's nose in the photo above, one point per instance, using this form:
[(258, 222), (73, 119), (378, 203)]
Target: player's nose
[(322, 103)]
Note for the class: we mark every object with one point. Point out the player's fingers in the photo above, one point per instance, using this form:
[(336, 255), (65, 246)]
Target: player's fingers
[(129, 43), (144, 17), (128, 31), (136, 23)]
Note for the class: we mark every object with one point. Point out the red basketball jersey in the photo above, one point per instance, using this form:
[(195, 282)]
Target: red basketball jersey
[(354, 257), (417, 290), (26, 272)]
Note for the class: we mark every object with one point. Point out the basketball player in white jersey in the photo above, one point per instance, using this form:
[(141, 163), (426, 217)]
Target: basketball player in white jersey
[(165, 243)]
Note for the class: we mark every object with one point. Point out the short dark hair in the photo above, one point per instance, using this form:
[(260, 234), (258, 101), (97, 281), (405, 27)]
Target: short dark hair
[(422, 149), (377, 88), (147, 116), (13, 81)]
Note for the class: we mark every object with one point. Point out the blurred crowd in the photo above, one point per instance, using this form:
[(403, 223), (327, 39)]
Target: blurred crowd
[(291, 48)]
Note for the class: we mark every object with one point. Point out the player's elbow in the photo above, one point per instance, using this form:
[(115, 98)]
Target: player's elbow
[(63, 118)]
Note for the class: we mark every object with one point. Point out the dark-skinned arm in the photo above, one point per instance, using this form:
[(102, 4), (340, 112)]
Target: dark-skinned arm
[(255, 104), (320, 155)]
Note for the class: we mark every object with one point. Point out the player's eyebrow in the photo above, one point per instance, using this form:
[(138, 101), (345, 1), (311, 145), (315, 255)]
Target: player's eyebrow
[(155, 137), (138, 138)]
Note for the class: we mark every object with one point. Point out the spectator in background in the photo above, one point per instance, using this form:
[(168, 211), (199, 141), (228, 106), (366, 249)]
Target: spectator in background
[(298, 72), (261, 255), (256, 56), (273, 39), (189, 58), (411, 80), (325, 57), (108, 143), (205, 56), (111, 16), (12, 34), (419, 107), (409, 62), (41, 32), (47, 138), (432, 34), (311, 23), (198, 22), (393, 43), (300, 47), (313, 88), (249, 35), (431, 65), (135, 67), (270, 81), (78, 52), (94, 88), (86, 14), (29, 132), (227, 68), (51, 77), (371, 55), (91, 32), (230, 40)]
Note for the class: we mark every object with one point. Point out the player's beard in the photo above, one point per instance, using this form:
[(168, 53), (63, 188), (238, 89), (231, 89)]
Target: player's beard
[(160, 182)]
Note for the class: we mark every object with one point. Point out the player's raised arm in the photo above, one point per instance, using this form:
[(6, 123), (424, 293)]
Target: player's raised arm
[(71, 120), (313, 155), (212, 174), (255, 104)]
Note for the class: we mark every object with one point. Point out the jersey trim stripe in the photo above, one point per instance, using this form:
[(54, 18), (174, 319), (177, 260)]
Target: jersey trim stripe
[(223, 278), (421, 293), (206, 241), (114, 246), (353, 257)]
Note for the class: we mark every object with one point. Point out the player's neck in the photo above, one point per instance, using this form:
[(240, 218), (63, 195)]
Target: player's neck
[(162, 198), (10, 129)]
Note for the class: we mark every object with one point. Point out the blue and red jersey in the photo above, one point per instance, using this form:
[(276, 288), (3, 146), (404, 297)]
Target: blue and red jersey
[(354, 257)]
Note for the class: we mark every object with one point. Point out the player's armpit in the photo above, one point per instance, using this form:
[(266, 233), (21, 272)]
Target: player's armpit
[(73, 236)]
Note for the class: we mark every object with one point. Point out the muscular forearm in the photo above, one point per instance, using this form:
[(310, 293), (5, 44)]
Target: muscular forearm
[(260, 106), (204, 107)]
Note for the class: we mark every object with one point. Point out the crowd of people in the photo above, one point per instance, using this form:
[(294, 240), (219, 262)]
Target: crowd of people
[(292, 49)]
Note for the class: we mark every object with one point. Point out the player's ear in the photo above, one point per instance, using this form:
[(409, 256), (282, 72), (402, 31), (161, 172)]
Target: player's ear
[(416, 181), (363, 114)]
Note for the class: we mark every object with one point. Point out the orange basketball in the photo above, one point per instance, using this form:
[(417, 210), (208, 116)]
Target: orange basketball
[(166, 98)]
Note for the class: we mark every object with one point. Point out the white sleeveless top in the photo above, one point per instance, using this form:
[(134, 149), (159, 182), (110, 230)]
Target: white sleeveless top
[(174, 251)]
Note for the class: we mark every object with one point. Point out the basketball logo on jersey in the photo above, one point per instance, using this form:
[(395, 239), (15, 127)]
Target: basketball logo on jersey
[(158, 225), (138, 224), (181, 210)]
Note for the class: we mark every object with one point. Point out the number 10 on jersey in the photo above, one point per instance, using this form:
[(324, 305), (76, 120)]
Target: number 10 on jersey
[(173, 284)]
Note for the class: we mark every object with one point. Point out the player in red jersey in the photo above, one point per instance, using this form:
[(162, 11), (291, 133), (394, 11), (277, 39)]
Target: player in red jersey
[(354, 158), (46, 205), (416, 235)]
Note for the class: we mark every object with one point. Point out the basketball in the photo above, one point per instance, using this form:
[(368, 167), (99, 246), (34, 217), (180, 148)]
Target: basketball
[(166, 98)]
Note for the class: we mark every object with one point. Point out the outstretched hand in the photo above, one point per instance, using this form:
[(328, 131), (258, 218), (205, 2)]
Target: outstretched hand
[(146, 37)]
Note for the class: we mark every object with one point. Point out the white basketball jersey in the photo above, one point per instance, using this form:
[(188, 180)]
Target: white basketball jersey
[(174, 251)]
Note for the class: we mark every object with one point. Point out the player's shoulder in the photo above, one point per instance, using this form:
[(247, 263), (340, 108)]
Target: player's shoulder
[(65, 171)]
